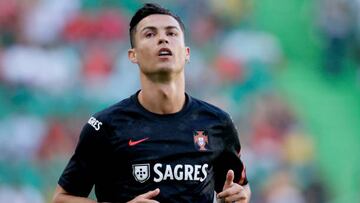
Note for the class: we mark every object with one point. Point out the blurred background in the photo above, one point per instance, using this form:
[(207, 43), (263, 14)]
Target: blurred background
[(287, 71)]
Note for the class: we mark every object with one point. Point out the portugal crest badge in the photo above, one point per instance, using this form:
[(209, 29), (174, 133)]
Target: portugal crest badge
[(200, 140), (141, 172)]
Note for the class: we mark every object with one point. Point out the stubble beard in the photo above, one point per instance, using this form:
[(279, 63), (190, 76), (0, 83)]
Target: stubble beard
[(163, 75)]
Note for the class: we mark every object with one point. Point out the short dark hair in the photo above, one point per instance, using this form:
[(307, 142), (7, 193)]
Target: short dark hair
[(146, 10)]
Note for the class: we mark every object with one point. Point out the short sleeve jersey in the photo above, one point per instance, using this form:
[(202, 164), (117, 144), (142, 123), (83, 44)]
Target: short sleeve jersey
[(126, 150)]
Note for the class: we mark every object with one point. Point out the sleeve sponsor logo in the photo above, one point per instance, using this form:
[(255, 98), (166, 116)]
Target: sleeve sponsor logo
[(95, 123)]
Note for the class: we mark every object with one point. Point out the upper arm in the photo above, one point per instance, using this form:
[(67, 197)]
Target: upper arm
[(81, 172), (230, 157)]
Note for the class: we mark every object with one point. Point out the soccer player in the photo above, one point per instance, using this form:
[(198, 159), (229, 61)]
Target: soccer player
[(160, 144)]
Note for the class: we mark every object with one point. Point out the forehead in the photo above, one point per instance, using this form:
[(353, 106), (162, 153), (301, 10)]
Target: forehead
[(158, 21)]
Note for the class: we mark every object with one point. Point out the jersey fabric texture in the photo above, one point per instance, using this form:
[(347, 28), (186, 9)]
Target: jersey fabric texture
[(126, 150)]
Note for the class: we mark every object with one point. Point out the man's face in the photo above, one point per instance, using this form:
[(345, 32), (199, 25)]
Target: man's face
[(159, 45)]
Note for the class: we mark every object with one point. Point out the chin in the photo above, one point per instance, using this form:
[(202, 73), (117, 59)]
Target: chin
[(168, 69), (163, 69)]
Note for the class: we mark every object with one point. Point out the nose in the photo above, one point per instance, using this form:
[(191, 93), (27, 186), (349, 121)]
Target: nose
[(163, 39)]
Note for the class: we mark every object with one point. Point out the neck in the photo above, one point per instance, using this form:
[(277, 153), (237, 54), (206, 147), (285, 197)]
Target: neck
[(162, 98)]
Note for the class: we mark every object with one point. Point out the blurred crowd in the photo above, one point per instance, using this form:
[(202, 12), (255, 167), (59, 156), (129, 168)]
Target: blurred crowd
[(62, 61), (339, 23)]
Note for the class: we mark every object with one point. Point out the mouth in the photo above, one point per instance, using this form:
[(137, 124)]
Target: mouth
[(164, 52)]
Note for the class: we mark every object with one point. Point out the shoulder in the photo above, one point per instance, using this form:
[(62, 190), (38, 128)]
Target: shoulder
[(211, 109), (106, 117), (110, 111)]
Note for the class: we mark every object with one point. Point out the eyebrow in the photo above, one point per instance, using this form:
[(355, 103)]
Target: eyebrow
[(155, 28)]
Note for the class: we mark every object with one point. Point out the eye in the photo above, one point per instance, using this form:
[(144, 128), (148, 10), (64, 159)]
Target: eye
[(172, 34), (149, 34)]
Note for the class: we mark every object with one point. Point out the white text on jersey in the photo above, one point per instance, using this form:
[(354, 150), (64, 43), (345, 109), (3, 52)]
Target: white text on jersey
[(180, 172), (95, 123)]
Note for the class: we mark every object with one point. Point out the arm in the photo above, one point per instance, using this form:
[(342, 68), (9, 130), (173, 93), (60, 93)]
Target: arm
[(81, 172), (232, 187), (61, 196)]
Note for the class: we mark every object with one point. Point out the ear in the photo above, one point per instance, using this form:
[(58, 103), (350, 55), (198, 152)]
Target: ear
[(132, 55), (187, 54)]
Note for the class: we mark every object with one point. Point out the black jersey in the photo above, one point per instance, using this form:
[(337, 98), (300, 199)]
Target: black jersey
[(125, 151)]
